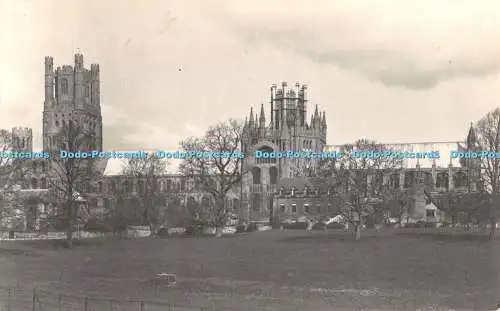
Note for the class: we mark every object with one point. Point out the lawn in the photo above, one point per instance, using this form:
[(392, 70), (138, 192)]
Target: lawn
[(274, 270)]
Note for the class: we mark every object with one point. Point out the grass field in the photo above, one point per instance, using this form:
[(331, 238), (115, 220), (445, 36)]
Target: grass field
[(274, 270)]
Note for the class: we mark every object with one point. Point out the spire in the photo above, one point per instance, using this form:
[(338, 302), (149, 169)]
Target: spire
[(323, 121), (316, 114), (251, 119), (262, 118), (471, 137)]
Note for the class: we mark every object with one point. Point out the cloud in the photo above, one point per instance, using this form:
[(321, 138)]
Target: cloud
[(395, 70), (385, 46), (116, 135)]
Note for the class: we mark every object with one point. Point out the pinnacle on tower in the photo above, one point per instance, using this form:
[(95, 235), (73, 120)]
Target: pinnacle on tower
[(471, 136), (262, 118), (251, 119), (323, 121), (316, 114)]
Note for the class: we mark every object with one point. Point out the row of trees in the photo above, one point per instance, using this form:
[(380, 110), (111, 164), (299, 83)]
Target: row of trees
[(360, 193), (361, 189), (71, 180)]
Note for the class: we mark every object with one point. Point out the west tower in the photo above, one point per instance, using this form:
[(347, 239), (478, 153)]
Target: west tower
[(72, 94)]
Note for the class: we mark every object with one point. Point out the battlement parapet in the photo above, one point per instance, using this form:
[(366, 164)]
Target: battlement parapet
[(22, 131), (65, 69)]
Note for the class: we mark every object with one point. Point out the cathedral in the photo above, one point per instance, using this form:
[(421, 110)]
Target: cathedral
[(287, 129), (285, 188), (72, 94), (272, 188)]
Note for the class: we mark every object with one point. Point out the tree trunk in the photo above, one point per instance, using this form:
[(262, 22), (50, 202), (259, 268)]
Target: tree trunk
[(69, 228), (310, 225), (358, 231), (218, 232), (493, 228), (69, 236)]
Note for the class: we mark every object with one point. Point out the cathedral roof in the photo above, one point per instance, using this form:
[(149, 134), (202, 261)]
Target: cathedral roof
[(101, 165)]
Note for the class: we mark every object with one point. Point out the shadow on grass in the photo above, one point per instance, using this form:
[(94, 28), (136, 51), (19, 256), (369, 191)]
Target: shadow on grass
[(59, 244), (348, 237), (449, 236), (332, 237)]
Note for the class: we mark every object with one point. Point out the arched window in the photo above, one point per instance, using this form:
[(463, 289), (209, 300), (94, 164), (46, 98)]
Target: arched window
[(442, 180), (64, 86), (409, 178), (169, 184), (273, 175), (460, 179), (44, 183), (106, 204), (256, 175), (428, 180), (141, 186), (34, 183), (126, 186), (256, 202)]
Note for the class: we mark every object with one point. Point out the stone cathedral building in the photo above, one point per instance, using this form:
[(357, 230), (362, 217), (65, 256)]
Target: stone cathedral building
[(286, 127), (72, 94), (278, 188), (284, 188)]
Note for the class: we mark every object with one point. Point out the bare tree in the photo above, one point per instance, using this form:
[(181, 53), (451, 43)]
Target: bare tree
[(487, 132), (215, 166), (358, 179), (71, 177), (12, 177), (147, 171), (464, 208), (12, 169), (399, 202)]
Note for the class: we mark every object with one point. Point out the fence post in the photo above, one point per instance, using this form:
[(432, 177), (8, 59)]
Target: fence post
[(60, 302), (8, 301), (34, 299), (86, 304), (142, 306)]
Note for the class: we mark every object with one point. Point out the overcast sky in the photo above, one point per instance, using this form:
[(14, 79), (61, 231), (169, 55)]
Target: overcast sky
[(392, 70)]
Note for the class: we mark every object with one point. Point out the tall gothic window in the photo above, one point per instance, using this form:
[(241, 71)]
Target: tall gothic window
[(256, 175), (273, 174), (64, 86)]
